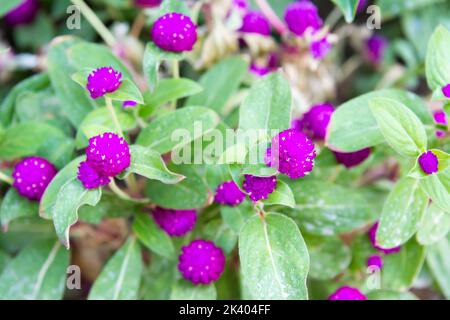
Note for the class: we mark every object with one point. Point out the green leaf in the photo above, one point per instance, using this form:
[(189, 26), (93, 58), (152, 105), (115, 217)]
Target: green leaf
[(48, 200), (220, 82), (167, 91), (4, 260), (348, 8), (152, 236), (268, 105), (69, 199), (353, 127), (158, 279), (390, 8), (221, 234), (401, 268), (326, 209), (8, 5), (127, 91), (169, 6), (36, 34), (121, 276), (390, 295), (38, 272), (402, 213), (148, 163), (437, 187), (183, 290), (274, 258), (14, 206), (178, 128), (438, 59), (438, 261), (282, 195), (236, 217), (401, 128), (434, 226)]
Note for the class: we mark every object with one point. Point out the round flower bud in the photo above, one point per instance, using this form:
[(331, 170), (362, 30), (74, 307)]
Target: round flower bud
[(320, 48), (108, 154), (372, 237), (429, 162), (440, 117), (375, 261), (31, 176), (352, 159), (89, 177), (374, 48), (446, 90), (292, 153), (314, 123), (129, 104), (102, 81), (147, 3), (23, 13), (201, 262), (228, 193), (258, 70), (176, 223), (259, 188), (302, 15), (174, 32), (347, 293), (255, 22)]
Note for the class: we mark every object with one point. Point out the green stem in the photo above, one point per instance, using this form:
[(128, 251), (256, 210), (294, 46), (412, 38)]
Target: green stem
[(95, 22), (176, 75), (6, 178), (114, 188), (113, 114)]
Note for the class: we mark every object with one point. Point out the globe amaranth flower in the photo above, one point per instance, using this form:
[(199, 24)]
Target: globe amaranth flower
[(90, 178), (32, 176), (440, 117), (301, 16), (23, 13), (347, 293), (320, 48), (374, 48), (228, 193), (314, 123), (429, 162), (255, 22), (259, 188), (375, 261), (372, 237), (174, 32), (259, 71), (147, 3), (362, 4), (102, 81), (201, 262), (446, 90), (352, 159), (176, 223), (292, 153)]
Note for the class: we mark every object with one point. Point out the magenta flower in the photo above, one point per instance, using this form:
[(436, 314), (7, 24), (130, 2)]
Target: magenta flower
[(375, 261), (362, 4), (446, 90), (23, 13), (374, 48), (259, 188), (201, 262), (347, 293), (301, 15), (258, 70), (90, 178), (314, 123), (174, 32), (292, 153), (147, 3), (241, 4), (320, 48), (129, 104), (429, 162), (108, 154), (102, 81), (255, 22), (372, 237), (228, 193), (440, 118), (31, 176), (352, 159), (176, 223)]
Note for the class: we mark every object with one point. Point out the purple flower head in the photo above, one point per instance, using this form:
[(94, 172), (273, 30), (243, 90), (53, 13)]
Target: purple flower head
[(255, 22), (175, 222), (440, 117), (23, 13), (375, 261), (301, 15), (372, 237), (320, 48), (102, 81), (352, 159), (129, 104), (258, 70), (374, 49), (446, 90), (362, 4), (89, 177), (429, 162), (174, 32), (228, 193), (259, 187), (201, 262), (314, 123), (292, 153), (32, 176), (147, 3), (347, 293), (108, 154)]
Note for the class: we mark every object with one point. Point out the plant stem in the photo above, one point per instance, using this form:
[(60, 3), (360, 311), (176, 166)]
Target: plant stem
[(276, 22), (333, 18), (113, 114), (95, 22), (114, 188), (176, 75), (6, 178), (138, 25)]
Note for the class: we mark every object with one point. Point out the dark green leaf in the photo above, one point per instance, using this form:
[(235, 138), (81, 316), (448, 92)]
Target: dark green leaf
[(14, 206), (183, 290), (348, 8)]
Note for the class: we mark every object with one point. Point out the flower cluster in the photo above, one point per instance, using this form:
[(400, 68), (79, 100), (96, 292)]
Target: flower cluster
[(429, 162), (255, 22), (23, 13), (259, 188), (102, 81), (228, 193), (302, 16), (175, 222), (347, 293)]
